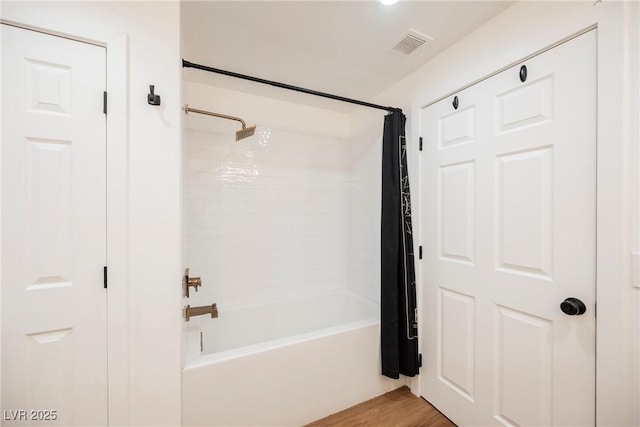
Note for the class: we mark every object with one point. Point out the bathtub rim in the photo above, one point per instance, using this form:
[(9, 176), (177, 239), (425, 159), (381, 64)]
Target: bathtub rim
[(194, 359)]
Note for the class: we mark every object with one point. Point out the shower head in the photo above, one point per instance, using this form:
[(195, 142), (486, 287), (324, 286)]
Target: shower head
[(243, 133)]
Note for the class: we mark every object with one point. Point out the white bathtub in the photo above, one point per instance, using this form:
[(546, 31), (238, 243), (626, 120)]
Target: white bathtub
[(282, 364)]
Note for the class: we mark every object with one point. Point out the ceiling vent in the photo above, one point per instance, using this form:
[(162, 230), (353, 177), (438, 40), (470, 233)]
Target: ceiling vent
[(409, 42)]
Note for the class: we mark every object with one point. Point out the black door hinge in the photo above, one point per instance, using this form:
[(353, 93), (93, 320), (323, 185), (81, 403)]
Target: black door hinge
[(420, 143), (420, 252), (104, 276), (420, 360), (104, 102)]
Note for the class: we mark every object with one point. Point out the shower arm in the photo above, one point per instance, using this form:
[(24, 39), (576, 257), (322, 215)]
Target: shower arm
[(188, 110)]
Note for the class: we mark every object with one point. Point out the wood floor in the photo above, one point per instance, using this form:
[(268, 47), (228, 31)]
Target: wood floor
[(398, 408)]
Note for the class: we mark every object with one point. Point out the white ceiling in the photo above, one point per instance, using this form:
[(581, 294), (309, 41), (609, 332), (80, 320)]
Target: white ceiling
[(340, 47)]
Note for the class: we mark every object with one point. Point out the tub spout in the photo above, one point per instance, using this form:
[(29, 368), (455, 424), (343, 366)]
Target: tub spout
[(190, 312)]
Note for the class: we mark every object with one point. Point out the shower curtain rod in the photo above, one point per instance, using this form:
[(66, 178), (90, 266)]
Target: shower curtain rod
[(187, 64)]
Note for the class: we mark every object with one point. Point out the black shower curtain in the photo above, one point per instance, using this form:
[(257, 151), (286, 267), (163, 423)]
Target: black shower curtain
[(399, 329)]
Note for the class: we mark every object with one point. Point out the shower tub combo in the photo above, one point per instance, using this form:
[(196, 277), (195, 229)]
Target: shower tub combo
[(285, 364)]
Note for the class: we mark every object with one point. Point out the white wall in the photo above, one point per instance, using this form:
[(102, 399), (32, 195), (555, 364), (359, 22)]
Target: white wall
[(633, 118), (266, 218), (521, 30), (143, 143)]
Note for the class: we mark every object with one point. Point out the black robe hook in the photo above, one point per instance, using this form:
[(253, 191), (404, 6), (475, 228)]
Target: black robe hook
[(152, 98)]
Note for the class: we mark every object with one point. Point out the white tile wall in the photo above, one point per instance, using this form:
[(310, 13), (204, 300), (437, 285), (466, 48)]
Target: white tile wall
[(266, 218), (291, 211), (364, 213)]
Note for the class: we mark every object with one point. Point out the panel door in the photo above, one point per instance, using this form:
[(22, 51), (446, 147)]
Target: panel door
[(54, 344), (508, 181)]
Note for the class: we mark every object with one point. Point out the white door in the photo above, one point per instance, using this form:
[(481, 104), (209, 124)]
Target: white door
[(54, 346), (508, 184)]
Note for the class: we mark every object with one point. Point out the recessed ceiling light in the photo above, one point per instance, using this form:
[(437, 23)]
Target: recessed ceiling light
[(388, 2)]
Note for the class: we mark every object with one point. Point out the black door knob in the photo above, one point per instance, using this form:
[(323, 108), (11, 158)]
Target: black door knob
[(573, 306)]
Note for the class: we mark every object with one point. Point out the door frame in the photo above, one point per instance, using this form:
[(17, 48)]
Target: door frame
[(117, 141), (613, 23)]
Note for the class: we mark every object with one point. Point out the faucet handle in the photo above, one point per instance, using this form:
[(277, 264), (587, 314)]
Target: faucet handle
[(188, 282), (196, 282)]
